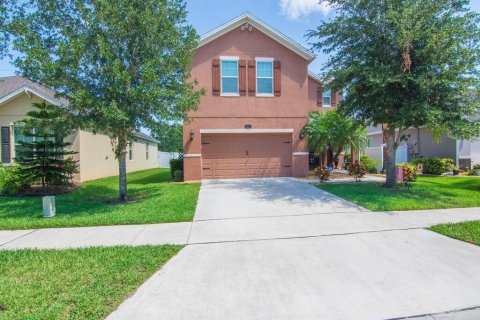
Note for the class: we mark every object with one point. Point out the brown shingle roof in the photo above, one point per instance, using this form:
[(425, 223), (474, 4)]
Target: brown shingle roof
[(11, 84)]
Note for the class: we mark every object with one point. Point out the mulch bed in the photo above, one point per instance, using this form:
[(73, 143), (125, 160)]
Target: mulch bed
[(38, 191)]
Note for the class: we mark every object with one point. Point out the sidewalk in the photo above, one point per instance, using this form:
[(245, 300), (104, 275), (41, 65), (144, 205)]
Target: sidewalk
[(62, 238), (234, 229)]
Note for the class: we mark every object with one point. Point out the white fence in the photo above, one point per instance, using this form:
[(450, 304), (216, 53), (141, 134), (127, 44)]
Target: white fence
[(376, 153), (164, 158)]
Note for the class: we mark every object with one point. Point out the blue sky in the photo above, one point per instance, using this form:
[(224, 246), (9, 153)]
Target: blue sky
[(291, 17)]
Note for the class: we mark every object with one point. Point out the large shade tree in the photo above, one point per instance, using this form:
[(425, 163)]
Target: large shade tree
[(333, 131), (170, 135), (404, 63), (5, 24), (122, 64)]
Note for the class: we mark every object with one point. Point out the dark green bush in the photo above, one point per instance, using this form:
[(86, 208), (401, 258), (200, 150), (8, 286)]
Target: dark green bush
[(436, 166), (370, 165), (11, 181), (175, 164), (178, 175)]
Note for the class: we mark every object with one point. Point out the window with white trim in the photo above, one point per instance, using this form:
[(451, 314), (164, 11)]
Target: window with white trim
[(327, 98), (229, 76), (130, 151), (264, 76), (146, 151)]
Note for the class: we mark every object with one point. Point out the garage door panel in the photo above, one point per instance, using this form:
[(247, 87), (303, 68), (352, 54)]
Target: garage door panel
[(249, 155)]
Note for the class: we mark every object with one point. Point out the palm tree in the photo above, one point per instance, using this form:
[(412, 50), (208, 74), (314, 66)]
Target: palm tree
[(332, 131)]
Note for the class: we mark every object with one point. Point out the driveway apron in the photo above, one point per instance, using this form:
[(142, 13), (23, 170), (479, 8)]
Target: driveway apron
[(282, 249)]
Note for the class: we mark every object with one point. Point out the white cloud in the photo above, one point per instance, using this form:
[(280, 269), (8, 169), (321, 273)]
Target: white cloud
[(294, 9)]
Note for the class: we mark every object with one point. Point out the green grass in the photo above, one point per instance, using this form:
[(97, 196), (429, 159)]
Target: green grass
[(427, 193), (84, 284), (468, 231), (91, 205)]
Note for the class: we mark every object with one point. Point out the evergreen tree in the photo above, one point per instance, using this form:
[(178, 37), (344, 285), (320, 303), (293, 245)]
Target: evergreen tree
[(41, 153)]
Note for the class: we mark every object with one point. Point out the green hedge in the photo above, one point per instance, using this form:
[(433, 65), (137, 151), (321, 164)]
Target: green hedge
[(436, 166), (175, 165)]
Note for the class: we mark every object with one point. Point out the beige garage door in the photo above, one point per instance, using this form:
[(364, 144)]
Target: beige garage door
[(246, 155)]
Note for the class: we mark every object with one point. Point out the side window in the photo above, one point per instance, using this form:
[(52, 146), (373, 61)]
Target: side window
[(370, 142), (229, 76), (146, 151), (264, 76), (19, 136), (130, 151), (327, 98)]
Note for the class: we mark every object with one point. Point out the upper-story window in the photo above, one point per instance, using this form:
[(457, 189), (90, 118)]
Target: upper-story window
[(229, 75), (327, 98), (264, 77)]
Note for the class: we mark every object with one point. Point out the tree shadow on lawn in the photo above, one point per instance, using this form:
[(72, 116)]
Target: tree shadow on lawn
[(101, 201)]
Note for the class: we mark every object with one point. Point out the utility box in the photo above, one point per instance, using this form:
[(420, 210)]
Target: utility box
[(49, 209)]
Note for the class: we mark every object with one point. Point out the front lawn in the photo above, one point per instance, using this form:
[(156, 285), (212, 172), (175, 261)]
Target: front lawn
[(427, 193), (86, 284), (468, 231), (157, 201)]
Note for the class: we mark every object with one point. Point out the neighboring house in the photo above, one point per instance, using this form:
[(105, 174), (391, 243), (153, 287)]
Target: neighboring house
[(259, 92), (421, 143), (95, 155)]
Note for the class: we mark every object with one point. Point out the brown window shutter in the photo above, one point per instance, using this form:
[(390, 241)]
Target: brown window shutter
[(319, 96), (252, 78), (216, 77), (242, 77), (333, 95), (6, 147), (277, 78)]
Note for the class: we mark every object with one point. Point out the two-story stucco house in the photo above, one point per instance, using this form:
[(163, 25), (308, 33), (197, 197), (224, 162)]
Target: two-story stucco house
[(94, 151), (259, 92)]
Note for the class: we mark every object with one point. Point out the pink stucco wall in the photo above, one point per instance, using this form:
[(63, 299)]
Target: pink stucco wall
[(289, 111)]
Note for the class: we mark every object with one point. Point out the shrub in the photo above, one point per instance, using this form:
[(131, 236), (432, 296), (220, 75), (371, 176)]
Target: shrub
[(475, 170), (409, 173), (176, 165), (178, 175), (436, 166), (370, 165), (11, 181), (357, 170), (322, 173)]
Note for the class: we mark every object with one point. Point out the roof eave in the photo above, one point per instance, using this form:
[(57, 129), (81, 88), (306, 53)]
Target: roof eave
[(25, 89)]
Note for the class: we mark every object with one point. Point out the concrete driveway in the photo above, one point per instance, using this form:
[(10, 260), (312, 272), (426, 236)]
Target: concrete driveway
[(282, 249)]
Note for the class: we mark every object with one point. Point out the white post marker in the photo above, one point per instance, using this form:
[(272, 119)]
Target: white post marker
[(49, 206)]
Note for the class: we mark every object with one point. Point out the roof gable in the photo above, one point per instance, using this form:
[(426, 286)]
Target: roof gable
[(12, 87), (262, 27)]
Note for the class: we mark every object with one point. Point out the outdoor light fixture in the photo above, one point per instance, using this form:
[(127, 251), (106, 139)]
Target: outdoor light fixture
[(192, 135), (302, 133)]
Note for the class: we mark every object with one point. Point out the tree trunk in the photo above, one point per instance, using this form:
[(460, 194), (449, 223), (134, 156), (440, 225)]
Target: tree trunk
[(390, 148), (121, 152), (122, 181)]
